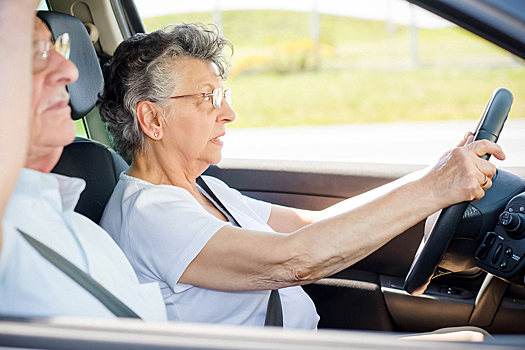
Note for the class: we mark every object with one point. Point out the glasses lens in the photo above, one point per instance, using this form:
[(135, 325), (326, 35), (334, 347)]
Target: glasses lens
[(62, 45), (217, 98), (228, 96), (42, 48)]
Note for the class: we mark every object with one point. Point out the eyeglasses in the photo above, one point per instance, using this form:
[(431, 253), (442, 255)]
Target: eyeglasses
[(216, 96), (41, 51)]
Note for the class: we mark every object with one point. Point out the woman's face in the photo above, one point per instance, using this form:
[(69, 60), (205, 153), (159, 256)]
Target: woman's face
[(194, 126)]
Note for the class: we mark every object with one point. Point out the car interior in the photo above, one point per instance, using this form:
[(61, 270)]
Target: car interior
[(472, 289)]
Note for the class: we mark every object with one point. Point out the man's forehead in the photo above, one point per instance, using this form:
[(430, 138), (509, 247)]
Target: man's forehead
[(41, 32)]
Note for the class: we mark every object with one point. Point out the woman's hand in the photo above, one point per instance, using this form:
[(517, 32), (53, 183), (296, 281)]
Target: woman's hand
[(461, 175)]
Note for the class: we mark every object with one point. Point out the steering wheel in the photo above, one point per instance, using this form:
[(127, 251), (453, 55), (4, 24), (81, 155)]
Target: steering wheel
[(433, 247)]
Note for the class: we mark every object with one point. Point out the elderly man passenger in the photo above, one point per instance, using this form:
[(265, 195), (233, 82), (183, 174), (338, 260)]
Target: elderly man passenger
[(167, 110), (41, 204)]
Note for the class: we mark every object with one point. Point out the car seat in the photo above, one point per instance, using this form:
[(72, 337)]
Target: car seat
[(92, 161)]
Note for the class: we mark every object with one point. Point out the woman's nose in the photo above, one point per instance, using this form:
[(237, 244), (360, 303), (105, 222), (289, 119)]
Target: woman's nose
[(226, 113)]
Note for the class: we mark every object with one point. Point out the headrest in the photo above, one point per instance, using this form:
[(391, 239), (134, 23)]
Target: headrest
[(84, 91)]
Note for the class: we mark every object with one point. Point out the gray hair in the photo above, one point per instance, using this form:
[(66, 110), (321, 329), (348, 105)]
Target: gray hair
[(142, 70)]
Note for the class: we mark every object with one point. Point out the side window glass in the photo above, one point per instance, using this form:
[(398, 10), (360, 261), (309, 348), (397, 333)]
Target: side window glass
[(371, 81), (42, 6), (81, 128)]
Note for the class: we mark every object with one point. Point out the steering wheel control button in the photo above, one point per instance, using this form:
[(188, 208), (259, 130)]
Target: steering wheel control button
[(504, 218), (508, 252), (497, 254), (514, 224), (503, 264)]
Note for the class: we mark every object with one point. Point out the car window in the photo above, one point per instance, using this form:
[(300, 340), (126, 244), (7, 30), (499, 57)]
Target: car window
[(378, 81), (42, 6)]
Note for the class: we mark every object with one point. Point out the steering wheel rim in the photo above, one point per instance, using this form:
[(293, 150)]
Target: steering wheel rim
[(432, 249), (427, 259)]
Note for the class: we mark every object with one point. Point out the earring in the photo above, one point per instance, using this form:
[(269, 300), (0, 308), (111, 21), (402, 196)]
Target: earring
[(155, 134)]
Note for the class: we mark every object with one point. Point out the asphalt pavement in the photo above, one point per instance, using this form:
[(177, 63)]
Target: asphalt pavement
[(401, 142)]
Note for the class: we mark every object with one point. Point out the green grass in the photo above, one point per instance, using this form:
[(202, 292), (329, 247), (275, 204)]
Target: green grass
[(366, 74), (368, 96)]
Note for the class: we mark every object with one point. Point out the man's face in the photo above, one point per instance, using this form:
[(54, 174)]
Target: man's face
[(51, 126)]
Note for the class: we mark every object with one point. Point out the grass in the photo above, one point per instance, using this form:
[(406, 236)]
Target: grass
[(365, 75), (369, 96)]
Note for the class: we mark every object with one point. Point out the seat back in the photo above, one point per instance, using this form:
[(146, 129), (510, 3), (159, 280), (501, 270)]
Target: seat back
[(97, 164)]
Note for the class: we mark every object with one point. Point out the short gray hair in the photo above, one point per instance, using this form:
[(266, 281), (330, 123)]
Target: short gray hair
[(142, 70)]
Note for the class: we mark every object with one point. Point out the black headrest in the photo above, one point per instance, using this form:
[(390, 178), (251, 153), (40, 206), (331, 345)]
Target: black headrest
[(84, 91)]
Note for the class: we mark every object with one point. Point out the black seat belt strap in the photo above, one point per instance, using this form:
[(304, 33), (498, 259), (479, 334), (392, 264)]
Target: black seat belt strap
[(117, 307), (274, 312)]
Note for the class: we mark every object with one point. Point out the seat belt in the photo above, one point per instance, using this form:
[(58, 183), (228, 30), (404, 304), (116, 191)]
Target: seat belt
[(274, 311), (117, 307)]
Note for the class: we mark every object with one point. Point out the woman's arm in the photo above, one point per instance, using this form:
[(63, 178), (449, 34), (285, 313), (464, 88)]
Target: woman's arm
[(287, 220), (16, 33), (238, 259)]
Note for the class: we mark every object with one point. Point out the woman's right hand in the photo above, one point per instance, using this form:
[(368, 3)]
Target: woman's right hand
[(461, 175)]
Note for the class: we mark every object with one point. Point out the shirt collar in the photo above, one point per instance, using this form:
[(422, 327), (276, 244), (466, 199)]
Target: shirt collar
[(52, 188)]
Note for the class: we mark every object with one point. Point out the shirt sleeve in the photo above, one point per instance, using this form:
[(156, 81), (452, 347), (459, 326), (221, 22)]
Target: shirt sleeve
[(167, 229)]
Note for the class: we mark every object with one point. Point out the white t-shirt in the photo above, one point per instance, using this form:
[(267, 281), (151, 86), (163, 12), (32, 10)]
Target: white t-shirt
[(30, 286), (162, 228)]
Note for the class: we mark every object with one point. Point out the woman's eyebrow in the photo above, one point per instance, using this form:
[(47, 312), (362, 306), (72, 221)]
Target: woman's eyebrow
[(210, 85)]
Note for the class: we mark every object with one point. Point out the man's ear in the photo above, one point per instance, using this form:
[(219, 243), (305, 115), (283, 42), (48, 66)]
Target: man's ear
[(148, 116)]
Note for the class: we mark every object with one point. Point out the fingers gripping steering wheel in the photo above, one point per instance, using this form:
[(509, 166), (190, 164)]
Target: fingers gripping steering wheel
[(431, 251)]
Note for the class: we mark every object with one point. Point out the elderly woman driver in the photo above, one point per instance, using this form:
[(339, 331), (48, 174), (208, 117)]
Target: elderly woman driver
[(166, 110)]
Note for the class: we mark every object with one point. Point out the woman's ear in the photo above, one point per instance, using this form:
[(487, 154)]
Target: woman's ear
[(148, 116)]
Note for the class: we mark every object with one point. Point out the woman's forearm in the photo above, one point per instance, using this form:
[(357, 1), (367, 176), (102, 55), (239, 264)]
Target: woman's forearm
[(288, 220), (359, 200), (341, 241)]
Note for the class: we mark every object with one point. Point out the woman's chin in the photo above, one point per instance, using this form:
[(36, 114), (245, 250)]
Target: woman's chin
[(216, 160)]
